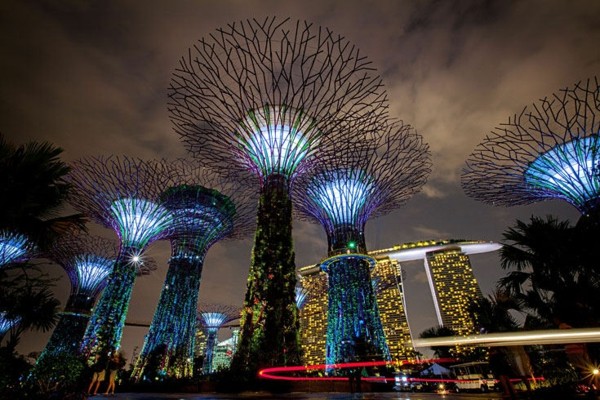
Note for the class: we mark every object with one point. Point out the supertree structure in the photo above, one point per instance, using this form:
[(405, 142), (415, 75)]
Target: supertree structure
[(551, 150), (88, 261), (202, 215), (14, 247), (212, 317), (123, 194), (342, 194), (262, 97)]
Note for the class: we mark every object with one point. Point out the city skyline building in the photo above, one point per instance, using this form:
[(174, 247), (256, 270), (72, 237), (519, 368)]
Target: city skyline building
[(450, 276)]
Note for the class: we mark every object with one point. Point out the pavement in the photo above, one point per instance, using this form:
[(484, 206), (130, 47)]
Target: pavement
[(299, 396)]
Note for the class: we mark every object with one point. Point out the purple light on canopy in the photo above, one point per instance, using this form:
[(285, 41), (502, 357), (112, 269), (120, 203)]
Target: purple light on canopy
[(213, 317), (13, 247), (571, 171), (276, 141), (121, 193), (343, 195)]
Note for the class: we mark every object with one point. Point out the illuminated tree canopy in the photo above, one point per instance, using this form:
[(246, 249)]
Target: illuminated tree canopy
[(121, 193), (14, 247), (548, 151), (347, 188), (260, 95)]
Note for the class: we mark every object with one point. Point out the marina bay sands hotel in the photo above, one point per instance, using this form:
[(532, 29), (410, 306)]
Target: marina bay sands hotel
[(451, 280)]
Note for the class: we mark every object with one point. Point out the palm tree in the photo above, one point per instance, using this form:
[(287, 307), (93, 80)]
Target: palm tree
[(27, 297), (552, 273), (440, 331), (32, 192)]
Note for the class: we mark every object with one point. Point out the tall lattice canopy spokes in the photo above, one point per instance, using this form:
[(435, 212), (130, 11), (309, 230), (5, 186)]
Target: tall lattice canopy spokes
[(260, 94), (139, 220), (14, 247), (548, 151), (201, 217), (342, 196)]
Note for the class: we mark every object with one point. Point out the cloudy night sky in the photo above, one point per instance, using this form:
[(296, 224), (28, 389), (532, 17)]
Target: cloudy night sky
[(92, 77)]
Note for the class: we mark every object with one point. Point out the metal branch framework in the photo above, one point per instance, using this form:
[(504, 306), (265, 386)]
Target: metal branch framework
[(342, 193), (213, 317), (259, 95), (267, 97), (550, 150), (202, 215), (121, 193)]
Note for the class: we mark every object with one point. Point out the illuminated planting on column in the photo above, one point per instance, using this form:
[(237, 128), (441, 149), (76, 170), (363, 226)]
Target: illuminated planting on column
[(548, 151), (268, 97), (122, 194), (201, 217), (14, 247), (342, 193), (213, 317)]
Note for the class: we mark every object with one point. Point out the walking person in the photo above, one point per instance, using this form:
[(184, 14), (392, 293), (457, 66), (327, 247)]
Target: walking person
[(115, 363), (99, 372)]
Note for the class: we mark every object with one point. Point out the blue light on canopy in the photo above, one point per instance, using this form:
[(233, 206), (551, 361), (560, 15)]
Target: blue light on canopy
[(6, 323), (277, 140), (214, 320), (301, 294), (13, 247), (343, 195), (139, 221), (571, 171), (92, 271)]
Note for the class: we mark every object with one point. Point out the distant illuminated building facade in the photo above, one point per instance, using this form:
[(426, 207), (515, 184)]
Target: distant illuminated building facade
[(450, 275), (451, 280)]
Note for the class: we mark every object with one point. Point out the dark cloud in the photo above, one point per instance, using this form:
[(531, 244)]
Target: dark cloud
[(91, 77)]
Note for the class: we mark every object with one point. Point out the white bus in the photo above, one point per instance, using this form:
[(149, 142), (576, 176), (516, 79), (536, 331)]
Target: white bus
[(474, 376)]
